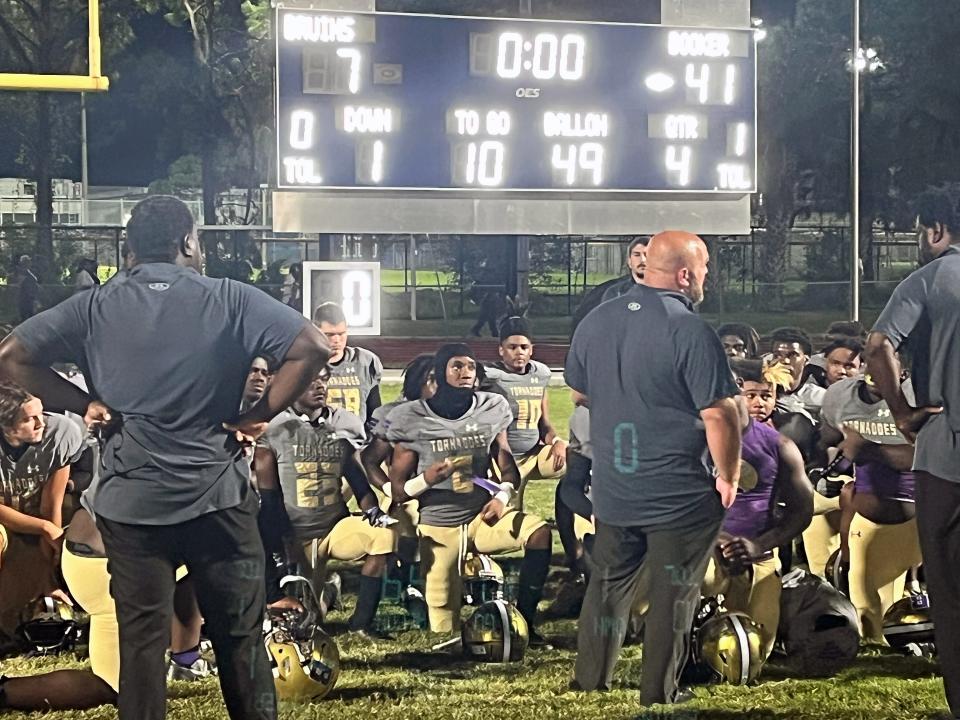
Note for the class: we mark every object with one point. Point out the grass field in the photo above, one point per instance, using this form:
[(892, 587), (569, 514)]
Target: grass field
[(405, 680)]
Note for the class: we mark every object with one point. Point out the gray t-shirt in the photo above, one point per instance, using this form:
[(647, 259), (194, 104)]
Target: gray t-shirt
[(169, 350), (25, 470), (580, 432), (524, 393), (466, 441), (353, 379), (649, 366), (924, 313), (310, 458)]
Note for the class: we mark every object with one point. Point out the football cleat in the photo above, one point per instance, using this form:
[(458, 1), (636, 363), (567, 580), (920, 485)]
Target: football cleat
[(200, 669)]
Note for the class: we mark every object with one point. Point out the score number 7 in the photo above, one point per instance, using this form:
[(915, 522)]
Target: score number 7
[(356, 59)]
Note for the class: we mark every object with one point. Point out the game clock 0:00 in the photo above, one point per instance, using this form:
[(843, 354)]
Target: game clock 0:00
[(444, 103)]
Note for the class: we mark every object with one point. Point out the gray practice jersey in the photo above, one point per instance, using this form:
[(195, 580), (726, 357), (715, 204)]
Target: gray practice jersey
[(524, 393), (843, 406), (353, 379), (310, 458), (580, 432), (25, 470), (381, 421), (466, 441)]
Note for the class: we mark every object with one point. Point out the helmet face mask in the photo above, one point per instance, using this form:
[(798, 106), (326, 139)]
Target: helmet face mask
[(482, 580), (49, 625)]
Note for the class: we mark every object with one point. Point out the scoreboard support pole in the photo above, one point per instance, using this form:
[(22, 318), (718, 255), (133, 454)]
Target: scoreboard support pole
[(413, 277)]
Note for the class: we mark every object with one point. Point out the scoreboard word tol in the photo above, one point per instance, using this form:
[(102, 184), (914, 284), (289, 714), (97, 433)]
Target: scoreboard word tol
[(440, 103), (354, 286)]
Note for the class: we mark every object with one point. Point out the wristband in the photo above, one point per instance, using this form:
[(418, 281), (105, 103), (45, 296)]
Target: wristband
[(415, 487), (485, 483), (506, 493)]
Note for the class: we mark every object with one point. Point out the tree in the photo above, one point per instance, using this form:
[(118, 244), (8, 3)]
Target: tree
[(804, 128), (43, 37), (232, 91)]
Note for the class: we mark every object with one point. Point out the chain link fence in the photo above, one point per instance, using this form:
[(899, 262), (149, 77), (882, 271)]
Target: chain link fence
[(451, 274)]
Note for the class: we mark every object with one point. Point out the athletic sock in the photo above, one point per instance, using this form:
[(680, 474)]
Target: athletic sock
[(186, 658), (368, 599), (533, 574)]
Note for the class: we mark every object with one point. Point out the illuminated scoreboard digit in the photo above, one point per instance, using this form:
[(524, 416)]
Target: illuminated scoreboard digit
[(354, 286), (440, 103)]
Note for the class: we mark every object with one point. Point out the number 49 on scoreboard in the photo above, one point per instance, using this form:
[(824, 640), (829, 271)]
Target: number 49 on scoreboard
[(354, 286)]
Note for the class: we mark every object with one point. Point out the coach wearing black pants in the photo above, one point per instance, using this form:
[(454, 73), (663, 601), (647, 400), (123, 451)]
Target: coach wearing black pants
[(660, 391), (166, 352), (924, 314)]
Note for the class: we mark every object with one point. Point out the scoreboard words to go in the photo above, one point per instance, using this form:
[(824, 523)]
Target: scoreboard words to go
[(441, 103)]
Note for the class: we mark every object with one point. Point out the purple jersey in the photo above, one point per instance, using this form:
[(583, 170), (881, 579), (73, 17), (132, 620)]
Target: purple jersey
[(750, 514)]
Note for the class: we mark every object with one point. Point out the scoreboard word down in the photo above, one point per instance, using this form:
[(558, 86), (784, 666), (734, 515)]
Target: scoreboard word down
[(424, 102)]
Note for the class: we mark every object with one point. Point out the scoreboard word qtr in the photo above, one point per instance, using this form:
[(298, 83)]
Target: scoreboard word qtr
[(441, 103)]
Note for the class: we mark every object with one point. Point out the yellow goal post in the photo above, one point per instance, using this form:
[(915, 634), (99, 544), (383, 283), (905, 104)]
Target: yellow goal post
[(93, 81)]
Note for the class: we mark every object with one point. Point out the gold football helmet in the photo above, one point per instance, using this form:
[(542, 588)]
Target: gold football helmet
[(908, 621), (305, 660), (729, 644), (495, 632)]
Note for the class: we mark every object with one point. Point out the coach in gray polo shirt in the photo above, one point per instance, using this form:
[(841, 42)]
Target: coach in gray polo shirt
[(166, 352), (660, 392), (924, 315)]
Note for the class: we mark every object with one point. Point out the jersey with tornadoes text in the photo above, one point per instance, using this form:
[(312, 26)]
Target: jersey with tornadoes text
[(353, 379), (524, 392), (844, 406), (310, 458), (465, 441)]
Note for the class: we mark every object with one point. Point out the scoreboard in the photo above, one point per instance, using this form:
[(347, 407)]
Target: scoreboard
[(397, 102), (354, 286)]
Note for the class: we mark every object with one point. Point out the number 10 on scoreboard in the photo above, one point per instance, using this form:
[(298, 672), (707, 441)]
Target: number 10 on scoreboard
[(354, 286)]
